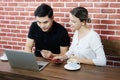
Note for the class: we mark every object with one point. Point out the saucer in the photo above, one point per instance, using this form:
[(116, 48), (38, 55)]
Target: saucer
[(3, 57), (68, 67)]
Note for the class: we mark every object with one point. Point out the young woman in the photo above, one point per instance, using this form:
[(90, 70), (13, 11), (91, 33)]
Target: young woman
[(86, 46)]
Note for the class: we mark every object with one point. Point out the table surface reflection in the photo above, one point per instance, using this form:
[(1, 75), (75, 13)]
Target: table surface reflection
[(57, 72)]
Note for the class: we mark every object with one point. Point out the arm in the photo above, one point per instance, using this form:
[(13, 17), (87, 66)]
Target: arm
[(49, 54), (29, 45), (63, 50), (96, 48)]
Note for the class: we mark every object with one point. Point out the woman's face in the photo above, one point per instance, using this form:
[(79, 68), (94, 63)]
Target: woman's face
[(75, 23)]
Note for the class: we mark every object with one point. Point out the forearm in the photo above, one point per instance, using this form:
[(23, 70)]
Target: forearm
[(86, 61), (28, 49)]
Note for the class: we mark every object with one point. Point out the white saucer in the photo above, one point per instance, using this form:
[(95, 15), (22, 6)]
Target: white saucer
[(3, 57), (68, 67)]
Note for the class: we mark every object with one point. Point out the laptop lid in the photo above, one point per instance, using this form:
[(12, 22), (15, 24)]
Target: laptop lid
[(23, 60)]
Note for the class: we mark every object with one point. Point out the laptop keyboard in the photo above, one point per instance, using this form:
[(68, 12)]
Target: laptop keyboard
[(40, 66)]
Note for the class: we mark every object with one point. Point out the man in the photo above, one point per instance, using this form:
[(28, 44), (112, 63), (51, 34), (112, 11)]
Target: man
[(49, 37)]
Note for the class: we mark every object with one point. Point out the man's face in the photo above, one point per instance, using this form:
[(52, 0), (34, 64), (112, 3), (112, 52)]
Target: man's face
[(44, 23)]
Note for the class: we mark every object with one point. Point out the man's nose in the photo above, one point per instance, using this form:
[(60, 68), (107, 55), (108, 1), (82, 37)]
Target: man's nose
[(42, 25)]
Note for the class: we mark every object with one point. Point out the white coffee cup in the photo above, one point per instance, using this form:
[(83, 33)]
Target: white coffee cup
[(72, 63)]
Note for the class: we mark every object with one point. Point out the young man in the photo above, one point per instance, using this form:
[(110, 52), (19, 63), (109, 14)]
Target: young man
[(49, 37)]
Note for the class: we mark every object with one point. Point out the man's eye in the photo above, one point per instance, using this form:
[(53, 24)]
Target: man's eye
[(46, 22)]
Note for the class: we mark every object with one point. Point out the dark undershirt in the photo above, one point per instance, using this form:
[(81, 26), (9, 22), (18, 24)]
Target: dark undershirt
[(52, 40)]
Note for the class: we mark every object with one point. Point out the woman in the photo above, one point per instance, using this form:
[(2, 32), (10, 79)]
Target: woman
[(86, 46)]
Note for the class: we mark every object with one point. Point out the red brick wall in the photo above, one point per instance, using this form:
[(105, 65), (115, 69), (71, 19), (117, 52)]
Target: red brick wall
[(17, 15)]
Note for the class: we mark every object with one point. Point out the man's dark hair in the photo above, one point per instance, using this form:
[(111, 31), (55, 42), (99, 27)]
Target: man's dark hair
[(43, 10)]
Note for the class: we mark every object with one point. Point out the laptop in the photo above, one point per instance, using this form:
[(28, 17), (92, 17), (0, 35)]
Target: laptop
[(24, 60)]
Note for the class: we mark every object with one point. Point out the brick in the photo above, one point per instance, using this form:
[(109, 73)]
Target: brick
[(115, 5), (79, 0), (3, 42), (118, 33), (108, 32), (40, 0), (114, 27), (53, 0), (107, 21), (2, 34), (98, 31), (58, 5), (101, 5), (66, 0), (11, 26), (86, 4), (21, 35), (14, 22), (17, 47), (114, 16), (12, 43), (29, 9), (100, 16), (12, 4), (2, 17), (20, 18), (11, 35), (96, 21), (93, 0), (108, 11), (64, 20), (3, 13), (10, 17), (58, 14), (93, 10), (118, 10), (71, 4), (19, 0), (69, 30), (14, 13), (25, 23), (24, 14), (7, 47), (16, 39), (118, 22), (30, 0), (5, 30), (8, 0), (117, 63), (23, 5), (29, 18), (110, 63), (113, 38), (3, 4), (109, 0), (65, 10), (100, 26), (15, 31), (19, 9), (1, 8), (21, 27), (103, 36)]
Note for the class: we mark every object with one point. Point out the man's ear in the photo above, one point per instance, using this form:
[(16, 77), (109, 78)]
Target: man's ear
[(52, 17), (83, 23)]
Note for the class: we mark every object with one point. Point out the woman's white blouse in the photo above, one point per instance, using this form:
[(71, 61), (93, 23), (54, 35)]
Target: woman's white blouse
[(89, 47)]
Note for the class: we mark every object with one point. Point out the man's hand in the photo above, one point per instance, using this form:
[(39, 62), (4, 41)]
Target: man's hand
[(46, 54)]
